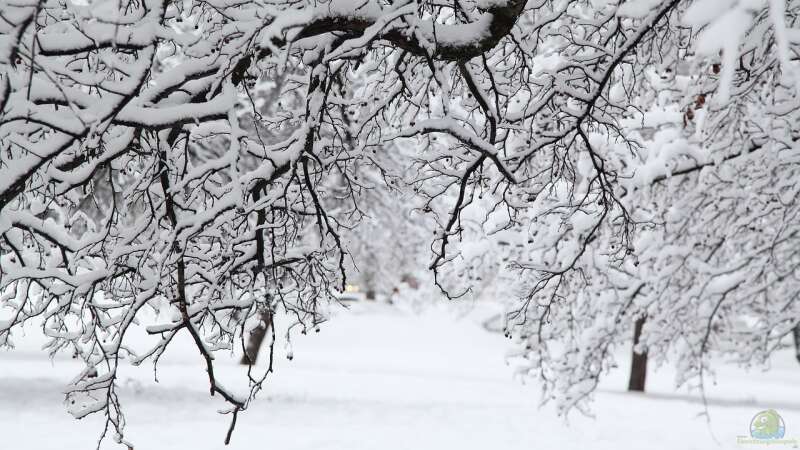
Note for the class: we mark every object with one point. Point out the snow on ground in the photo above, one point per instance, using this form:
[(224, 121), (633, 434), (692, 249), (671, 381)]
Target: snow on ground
[(381, 377)]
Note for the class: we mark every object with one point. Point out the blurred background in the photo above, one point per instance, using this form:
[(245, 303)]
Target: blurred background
[(408, 374)]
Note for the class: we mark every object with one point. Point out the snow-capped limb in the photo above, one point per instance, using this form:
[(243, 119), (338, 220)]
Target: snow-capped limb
[(452, 42), (466, 137)]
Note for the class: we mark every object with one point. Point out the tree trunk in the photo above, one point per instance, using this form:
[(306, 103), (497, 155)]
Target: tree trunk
[(638, 360), (796, 333), (256, 339)]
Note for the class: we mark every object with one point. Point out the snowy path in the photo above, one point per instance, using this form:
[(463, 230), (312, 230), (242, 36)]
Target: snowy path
[(377, 378)]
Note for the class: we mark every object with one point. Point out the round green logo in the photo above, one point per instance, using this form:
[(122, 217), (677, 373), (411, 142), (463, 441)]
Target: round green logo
[(767, 425)]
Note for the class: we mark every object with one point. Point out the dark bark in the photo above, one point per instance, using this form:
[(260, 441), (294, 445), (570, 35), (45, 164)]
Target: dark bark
[(256, 339), (638, 360), (796, 333), (502, 18)]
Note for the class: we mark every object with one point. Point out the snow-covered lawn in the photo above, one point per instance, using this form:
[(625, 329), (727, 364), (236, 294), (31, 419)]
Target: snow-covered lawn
[(380, 378)]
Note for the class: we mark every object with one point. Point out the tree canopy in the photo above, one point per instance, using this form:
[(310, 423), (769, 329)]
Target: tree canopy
[(214, 159)]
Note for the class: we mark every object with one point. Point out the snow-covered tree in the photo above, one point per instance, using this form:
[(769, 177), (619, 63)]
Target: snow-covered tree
[(678, 207), (208, 160)]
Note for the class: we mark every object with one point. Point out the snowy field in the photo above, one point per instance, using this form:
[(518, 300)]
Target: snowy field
[(387, 378)]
